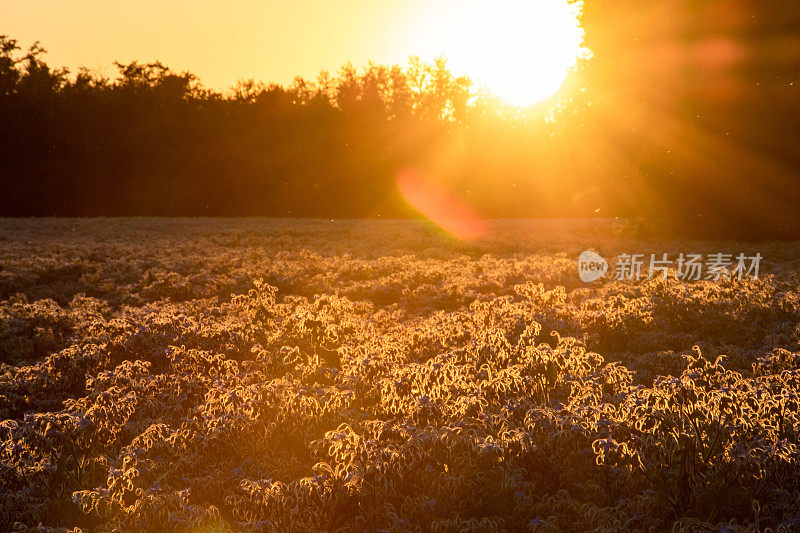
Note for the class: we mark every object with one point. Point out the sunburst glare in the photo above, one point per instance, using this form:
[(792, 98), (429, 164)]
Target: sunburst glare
[(521, 51)]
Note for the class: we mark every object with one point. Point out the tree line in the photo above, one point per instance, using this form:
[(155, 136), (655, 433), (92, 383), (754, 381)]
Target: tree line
[(151, 141)]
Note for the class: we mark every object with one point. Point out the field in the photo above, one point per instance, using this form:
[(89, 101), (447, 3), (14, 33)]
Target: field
[(277, 375)]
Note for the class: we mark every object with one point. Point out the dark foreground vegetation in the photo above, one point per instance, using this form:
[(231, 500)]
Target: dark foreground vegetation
[(688, 115), (377, 376)]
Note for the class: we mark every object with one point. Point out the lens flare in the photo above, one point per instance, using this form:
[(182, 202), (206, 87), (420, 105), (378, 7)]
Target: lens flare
[(440, 206)]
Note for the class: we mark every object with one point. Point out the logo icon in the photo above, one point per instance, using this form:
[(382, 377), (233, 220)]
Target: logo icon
[(591, 266)]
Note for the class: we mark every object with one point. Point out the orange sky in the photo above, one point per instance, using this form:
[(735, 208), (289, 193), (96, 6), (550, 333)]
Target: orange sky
[(221, 42)]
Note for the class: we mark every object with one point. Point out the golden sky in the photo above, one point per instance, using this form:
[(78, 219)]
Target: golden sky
[(221, 42)]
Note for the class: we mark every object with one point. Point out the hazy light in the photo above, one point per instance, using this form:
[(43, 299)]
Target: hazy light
[(519, 50)]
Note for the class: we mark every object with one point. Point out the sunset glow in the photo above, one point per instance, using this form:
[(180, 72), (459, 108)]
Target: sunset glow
[(519, 50), (399, 265)]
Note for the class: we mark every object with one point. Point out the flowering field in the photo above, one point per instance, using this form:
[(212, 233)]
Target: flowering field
[(267, 375)]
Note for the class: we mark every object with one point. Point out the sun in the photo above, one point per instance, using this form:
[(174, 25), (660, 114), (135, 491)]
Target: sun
[(521, 51)]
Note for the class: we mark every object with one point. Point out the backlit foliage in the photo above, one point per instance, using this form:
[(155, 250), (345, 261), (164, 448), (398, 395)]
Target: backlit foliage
[(314, 376)]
